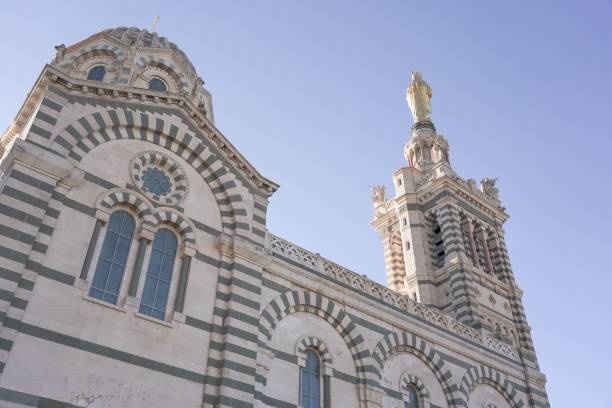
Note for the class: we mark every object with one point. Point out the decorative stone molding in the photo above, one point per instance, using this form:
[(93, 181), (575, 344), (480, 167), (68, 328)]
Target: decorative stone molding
[(485, 192), (377, 291), (499, 346), (403, 342), (197, 151), (151, 69), (184, 226), (411, 380), (52, 75), (292, 251), (310, 302), (119, 196), (107, 56), (162, 166), (487, 375), (499, 329), (461, 190), (425, 148), (149, 217), (425, 181), (306, 343)]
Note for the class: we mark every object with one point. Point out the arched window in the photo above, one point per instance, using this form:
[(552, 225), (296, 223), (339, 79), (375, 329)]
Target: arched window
[(411, 397), (107, 279), (157, 85), (159, 275), (97, 73), (436, 244), (310, 382)]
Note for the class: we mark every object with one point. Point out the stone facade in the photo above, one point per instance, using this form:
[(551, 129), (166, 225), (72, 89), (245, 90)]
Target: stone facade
[(242, 307)]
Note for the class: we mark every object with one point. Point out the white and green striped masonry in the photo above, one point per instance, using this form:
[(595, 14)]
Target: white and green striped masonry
[(244, 305)]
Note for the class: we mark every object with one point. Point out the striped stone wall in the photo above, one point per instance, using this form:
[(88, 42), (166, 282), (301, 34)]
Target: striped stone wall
[(253, 303)]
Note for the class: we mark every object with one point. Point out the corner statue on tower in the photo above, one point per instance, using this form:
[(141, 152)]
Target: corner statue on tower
[(419, 98)]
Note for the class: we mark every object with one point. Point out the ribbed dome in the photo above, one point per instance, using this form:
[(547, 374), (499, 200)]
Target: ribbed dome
[(143, 38)]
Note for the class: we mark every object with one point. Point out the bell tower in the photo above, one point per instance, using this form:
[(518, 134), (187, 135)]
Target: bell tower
[(442, 235)]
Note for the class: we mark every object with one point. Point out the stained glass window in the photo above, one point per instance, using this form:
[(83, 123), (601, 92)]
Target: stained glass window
[(97, 73), (157, 85), (310, 378), (107, 279), (157, 284), (156, 181), (411, 398)]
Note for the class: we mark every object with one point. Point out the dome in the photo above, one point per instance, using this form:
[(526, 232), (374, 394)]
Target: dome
[(143, 38)]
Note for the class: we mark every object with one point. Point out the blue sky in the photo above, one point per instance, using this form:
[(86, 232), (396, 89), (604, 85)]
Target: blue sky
[(312, 93)]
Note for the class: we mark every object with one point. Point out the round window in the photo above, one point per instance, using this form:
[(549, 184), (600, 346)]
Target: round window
[(159, 178), (157, 85), (97, 73)]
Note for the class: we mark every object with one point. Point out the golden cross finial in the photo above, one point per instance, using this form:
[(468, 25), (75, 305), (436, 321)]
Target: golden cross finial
[(154, 25)]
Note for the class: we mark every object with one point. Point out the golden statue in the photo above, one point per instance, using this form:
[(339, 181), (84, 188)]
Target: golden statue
[(419, 98)]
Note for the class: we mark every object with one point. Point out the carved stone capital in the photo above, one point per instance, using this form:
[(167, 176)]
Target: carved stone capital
[(372, 396), (43, 161), (146, 232), (73, 179), (233, 246), (188, 250), (103, 216)]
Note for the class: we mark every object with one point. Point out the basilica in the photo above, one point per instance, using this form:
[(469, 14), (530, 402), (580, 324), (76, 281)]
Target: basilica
[(136, 268)]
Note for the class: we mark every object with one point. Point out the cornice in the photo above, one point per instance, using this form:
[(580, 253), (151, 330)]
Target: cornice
[(33, 99), (237, 247), (52, 75), (480, 277), (489, 281), (388, 214), (462, 192)]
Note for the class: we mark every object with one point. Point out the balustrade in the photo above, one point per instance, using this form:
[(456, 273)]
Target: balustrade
[(368, 287)]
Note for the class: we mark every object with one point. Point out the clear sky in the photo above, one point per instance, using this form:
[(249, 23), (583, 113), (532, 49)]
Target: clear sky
[(313, 94)]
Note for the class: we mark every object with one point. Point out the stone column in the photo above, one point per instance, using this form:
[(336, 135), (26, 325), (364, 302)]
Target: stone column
[(482, 240), (92, 247), (181, 290), (470, 232), (326, 391), (489, 252), (496, 258), (478, 251), (146, 237)]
